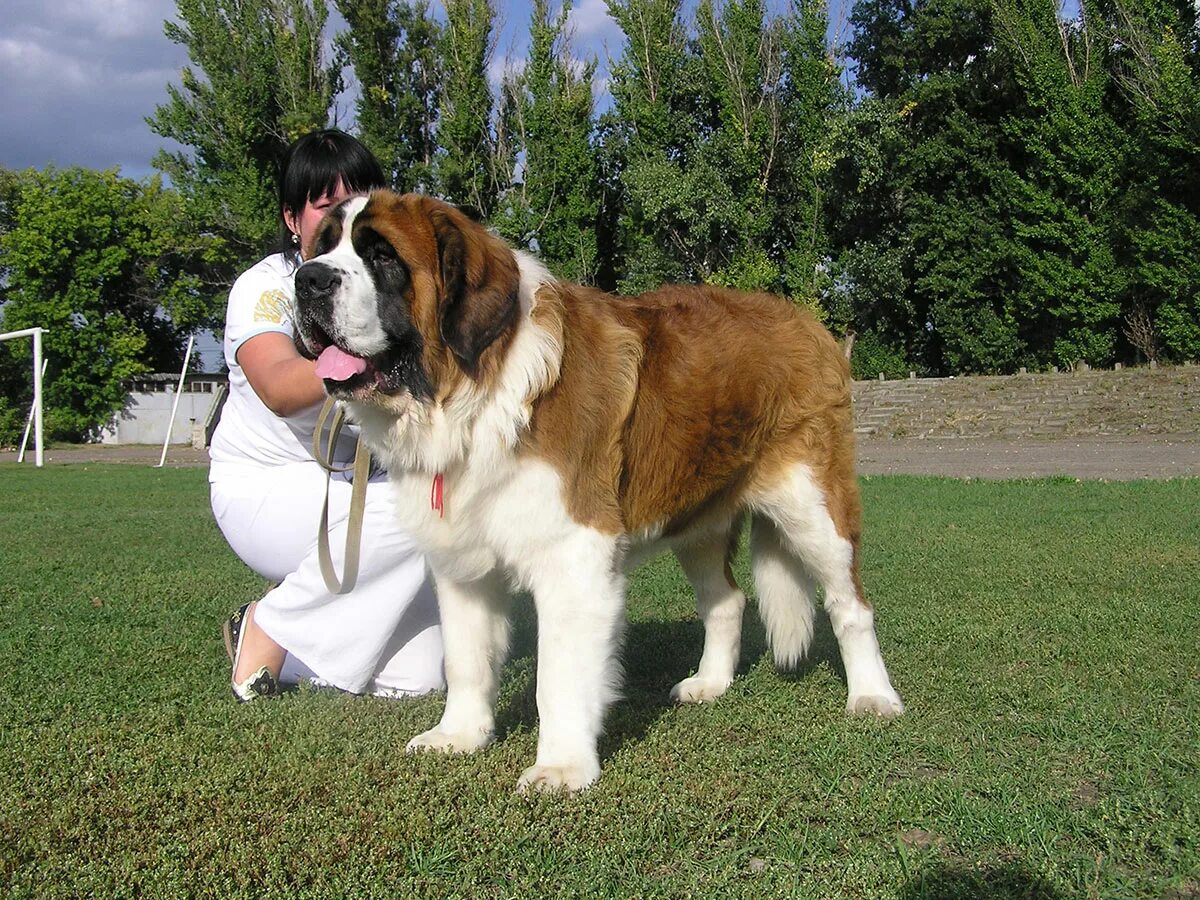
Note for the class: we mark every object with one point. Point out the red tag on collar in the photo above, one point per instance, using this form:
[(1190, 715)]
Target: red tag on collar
[(435, 496)]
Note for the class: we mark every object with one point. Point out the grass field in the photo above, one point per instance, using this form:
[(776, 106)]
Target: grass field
[(1043, 634)]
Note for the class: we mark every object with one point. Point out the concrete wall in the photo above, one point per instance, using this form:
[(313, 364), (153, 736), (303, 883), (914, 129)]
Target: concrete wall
[(144, 420), (1127, 401), (1124, 401)]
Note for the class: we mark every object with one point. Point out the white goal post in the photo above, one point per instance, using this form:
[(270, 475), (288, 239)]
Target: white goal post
[(36, 334), (187, 358)]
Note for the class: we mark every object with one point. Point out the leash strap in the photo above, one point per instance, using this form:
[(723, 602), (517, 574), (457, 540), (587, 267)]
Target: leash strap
[(358, 495)]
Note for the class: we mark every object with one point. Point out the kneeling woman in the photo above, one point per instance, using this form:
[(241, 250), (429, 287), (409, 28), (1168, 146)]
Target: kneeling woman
[(268, 491)]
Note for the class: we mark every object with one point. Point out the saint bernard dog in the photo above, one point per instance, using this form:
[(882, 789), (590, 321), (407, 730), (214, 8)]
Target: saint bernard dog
[(549, 436)]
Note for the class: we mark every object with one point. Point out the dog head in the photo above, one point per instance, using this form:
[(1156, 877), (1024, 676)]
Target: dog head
[(403, 295)]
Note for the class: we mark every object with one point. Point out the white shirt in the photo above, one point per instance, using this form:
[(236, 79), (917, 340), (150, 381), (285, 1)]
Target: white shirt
[(249, 434)]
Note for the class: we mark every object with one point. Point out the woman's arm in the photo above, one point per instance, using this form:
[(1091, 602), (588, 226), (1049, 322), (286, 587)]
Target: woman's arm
[(283, 379)]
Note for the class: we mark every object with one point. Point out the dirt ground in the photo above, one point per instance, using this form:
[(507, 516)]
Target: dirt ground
[(1110, 458)]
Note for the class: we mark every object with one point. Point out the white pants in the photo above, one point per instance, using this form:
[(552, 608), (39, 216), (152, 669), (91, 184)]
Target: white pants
[(383, 636)]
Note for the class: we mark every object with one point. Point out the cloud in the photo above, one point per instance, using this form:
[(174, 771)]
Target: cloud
[(79, 81), (592, 24), (117, 19)]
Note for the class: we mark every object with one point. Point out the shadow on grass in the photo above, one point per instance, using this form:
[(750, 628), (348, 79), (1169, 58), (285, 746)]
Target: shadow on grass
[(999, 882), (655, 655)]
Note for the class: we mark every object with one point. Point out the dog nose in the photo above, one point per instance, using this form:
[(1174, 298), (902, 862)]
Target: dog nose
[(316, 279)]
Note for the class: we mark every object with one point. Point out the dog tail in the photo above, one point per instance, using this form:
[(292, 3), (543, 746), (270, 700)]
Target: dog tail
[(786, 592)]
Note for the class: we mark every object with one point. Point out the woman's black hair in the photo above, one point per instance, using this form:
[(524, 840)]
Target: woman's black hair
[(312, 167)]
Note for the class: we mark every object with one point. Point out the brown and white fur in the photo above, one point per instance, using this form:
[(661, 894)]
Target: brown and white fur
[(577, 433)]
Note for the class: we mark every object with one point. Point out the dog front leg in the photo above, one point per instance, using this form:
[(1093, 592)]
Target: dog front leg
[(579, 599), (475, 638)]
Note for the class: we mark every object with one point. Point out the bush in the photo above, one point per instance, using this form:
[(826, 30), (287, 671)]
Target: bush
[(12, 423), (872, 355)]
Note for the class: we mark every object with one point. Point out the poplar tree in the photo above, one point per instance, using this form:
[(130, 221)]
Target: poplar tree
[(736, 160), (1157, 70), (393, 50), (465, 169), (920, 187), (1064, 155), (811, 104), (651, 134), (257, 81), (551, 115), (714, 138)]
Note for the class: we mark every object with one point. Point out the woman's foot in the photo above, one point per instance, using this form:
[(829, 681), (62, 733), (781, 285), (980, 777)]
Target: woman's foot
[(256, 658)]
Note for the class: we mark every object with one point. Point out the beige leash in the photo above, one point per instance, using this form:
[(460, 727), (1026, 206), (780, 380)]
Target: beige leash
[(358, 496)]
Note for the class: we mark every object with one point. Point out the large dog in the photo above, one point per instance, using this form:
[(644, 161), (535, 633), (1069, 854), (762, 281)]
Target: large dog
[(548, 435)]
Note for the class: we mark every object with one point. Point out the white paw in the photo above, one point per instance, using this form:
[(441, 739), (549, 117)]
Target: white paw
[(440, 741), (699, 690), (885, 706), (557, 778)]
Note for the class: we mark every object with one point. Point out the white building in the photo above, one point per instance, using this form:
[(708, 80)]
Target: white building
[(151, 397)]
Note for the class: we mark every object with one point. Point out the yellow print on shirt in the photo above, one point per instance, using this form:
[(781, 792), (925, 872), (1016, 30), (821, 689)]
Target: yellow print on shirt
[(272, 306)]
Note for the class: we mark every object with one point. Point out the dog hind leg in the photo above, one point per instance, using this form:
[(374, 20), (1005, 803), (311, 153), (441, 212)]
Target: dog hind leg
[(799, 509), (719, 604)]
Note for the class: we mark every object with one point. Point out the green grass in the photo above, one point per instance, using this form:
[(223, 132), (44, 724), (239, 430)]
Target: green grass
[(1043, 634)]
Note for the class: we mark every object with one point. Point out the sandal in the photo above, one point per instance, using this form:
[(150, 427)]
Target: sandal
[(258, 684)]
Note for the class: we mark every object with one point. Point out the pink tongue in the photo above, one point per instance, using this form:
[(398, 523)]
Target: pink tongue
[(338, 365)]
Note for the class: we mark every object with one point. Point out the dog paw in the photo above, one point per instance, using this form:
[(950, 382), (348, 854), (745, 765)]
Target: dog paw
[(698, 690), (885, 706), (439, 741), (545, 779)]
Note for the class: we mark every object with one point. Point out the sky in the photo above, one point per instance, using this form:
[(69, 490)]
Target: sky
[(79, 77)]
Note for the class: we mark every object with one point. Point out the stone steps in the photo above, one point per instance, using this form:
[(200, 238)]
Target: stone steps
[(1128, 401)]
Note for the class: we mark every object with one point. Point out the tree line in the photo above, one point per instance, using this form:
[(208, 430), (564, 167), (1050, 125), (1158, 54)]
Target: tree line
[(967, 186)]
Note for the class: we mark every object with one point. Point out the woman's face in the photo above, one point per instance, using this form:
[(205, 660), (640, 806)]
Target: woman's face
[(303, 224)]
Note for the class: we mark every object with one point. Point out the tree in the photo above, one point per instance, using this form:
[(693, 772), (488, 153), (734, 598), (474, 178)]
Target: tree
[(929, 206), (1064, 154), (811, 105), (651, 134), (548, 110), (739, 150), (10, 195), (1157, 68), (14, 368), (465, 168), (393, 49), (1040, 194), (259, 82), (870, 292), (716, 143), (100, 261)]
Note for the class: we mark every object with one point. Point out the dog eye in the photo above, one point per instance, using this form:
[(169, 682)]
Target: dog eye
[(386, 264), (382, 256), (380, 253)]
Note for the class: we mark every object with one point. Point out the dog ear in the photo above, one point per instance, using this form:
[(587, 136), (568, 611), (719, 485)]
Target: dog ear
[(480, 281)]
